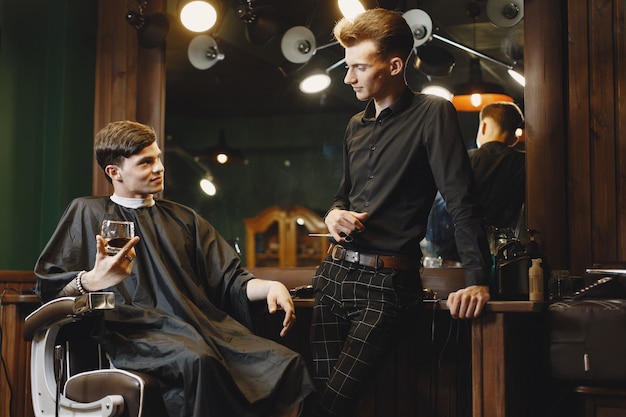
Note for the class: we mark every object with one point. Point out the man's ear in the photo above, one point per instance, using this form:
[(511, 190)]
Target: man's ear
[(397, 65), (113, 171), (483, 126)]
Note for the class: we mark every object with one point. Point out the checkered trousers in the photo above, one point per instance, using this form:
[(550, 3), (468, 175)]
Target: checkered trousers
[(357, 310)]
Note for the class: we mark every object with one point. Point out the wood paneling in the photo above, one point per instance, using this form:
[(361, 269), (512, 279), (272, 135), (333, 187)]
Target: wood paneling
[(578, 149), (545, 122), (595, 149), (130, 80), (16, 302)]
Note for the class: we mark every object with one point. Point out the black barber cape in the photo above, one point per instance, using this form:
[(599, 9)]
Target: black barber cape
[(170, 317)]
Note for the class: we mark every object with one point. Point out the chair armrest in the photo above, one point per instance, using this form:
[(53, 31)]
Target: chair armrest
[(66, 307)]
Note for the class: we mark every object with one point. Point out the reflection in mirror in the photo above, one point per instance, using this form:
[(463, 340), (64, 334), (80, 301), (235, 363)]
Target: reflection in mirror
[(292, 141)]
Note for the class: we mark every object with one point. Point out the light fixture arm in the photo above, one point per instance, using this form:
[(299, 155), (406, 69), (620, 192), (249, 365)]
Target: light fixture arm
[(335, 65), (471, 50), (319, 48)]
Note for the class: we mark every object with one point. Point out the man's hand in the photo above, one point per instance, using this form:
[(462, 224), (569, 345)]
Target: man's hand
[(278, 298), (468, 303), (342, 223), (109, 271)]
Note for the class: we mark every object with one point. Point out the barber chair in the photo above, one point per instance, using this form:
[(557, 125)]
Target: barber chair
[(70, 375)]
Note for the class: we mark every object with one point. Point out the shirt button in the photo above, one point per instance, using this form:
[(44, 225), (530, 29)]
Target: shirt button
[(367, 204), (371, 177), (373, 148)]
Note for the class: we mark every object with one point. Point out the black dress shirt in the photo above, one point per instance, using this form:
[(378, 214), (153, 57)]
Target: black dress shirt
[(500, 175), (393, 166)]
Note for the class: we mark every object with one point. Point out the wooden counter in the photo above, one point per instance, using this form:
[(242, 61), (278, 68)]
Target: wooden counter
[(501, 358), (504, 352), (16, 302)]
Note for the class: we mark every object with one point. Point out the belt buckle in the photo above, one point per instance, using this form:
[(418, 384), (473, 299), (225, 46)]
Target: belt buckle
[(334, 253)]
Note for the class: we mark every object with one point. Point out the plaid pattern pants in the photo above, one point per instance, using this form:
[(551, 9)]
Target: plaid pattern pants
[(356, 314)]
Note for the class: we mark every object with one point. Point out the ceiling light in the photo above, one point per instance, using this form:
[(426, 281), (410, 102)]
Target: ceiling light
[(437, 90), (222, 153), (517, 77), (152, 29), (261, 22), (203, 52), (207, 185), (434, 61), (421, 25), (298, 44), (207, 182), (315, 83), (505, 13), (473, 95), (350, 8), (198, 16), (319, 81)]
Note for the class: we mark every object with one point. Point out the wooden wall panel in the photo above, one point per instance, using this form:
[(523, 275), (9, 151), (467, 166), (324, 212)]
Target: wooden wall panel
[(596, 141), (578, 146), (620, 125), (130, 80), (15, 305), (602, 132), (545, 123)]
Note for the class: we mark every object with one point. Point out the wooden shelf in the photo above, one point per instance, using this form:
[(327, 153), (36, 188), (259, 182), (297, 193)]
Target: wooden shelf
[(279, 237)]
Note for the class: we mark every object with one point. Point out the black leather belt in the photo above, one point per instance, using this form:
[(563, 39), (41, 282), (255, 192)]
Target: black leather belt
[(339, 253)]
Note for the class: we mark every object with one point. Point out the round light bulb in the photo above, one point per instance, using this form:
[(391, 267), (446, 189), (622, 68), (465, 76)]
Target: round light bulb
[(521, 80), (208, 187), (476, 100), (198, 16), (315, 83), (222, 158), (437, 90), (350, 8)]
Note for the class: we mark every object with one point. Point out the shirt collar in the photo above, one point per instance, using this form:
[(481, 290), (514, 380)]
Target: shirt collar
[(400, 104), (133, 203)]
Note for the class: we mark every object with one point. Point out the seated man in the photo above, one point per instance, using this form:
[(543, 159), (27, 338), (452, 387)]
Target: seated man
[(181, 294), (499, 172)]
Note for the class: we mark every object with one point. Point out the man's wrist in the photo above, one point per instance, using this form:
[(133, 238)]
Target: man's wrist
[(78, 282), (331, 209)]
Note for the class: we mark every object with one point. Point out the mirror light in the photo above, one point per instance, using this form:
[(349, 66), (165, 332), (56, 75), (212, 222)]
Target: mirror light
[(198, 16)]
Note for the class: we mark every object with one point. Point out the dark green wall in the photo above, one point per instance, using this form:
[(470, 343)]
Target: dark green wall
[(291, 161), (311, 143), (47, 62)]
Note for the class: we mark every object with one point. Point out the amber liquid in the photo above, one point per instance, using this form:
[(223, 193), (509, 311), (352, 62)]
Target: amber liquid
[(115, 244)]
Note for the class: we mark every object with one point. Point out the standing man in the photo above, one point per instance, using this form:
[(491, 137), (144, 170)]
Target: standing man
[(181, 295), (397, 153)]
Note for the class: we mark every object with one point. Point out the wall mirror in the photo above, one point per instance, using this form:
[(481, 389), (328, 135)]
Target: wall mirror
[(289, 143)]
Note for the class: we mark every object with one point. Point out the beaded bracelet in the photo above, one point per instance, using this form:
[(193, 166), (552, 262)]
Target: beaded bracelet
[(79, 282)]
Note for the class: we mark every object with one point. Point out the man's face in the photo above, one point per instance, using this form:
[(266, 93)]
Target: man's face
[(139, 175), (366, 72)]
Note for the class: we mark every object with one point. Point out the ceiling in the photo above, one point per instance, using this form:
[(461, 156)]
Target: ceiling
[(257, 80)]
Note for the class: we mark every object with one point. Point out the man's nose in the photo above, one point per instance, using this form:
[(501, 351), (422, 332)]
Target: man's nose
[(349, 78)]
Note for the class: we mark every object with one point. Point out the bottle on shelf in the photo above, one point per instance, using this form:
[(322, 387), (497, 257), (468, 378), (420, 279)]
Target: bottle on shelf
[(535, 280)]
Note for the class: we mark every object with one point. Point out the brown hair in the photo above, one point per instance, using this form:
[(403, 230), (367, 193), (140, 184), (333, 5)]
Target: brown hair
[(506, 114), (121, 139), (387, 28)]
